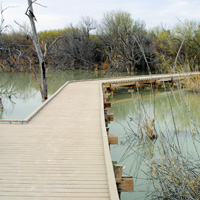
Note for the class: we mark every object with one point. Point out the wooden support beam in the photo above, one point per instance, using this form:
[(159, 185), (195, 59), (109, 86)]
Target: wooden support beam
[(125, 184), (124, 83), (107, 85), (113, 139), (134, 87), (146, 81), (107, 105)]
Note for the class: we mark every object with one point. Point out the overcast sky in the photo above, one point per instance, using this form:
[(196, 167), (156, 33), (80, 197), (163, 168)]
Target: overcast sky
[(60, 13)]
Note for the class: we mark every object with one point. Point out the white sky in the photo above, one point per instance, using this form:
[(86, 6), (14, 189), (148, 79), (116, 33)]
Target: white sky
[(60, 13)]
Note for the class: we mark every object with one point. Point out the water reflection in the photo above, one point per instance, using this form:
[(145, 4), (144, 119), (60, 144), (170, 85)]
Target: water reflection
[(26, 96), (176, 114), (136, 105)]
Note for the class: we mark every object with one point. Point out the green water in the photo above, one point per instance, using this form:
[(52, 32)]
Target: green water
[(174, 110), (25, 93)]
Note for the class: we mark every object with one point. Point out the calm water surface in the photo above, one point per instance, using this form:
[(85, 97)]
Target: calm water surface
[(26, 96)]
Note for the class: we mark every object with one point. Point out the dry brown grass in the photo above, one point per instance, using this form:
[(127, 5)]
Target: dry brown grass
[(192, 84), (147, 129)]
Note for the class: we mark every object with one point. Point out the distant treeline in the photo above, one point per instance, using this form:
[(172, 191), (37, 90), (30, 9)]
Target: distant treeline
[(117, 44)]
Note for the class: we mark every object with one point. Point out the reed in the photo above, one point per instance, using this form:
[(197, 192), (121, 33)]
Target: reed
[(172, 160)]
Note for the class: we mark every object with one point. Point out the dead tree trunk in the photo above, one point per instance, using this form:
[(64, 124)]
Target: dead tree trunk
[(41, 56)]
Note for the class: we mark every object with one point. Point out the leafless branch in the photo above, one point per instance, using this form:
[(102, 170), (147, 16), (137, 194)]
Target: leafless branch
[(41, 5), (23, 27), (53, 43)]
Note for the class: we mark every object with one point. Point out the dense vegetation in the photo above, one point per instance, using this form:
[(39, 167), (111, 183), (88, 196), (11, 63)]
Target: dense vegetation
[(117, 44)]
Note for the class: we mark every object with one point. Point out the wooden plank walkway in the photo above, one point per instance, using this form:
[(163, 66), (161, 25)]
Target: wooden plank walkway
[(60, 154), (63, 152)]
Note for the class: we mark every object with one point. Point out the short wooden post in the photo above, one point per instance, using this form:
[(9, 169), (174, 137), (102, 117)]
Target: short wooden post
[(118, 169), (124, 183)]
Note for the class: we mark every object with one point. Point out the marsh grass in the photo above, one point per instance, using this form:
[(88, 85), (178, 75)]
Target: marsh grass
[(165, 135), (192, 84)]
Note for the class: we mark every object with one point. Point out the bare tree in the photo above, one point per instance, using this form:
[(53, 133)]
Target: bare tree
[(78, 49), (40, 54)]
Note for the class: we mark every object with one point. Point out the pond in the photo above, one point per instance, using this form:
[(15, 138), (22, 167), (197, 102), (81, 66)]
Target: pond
[(25, 93), (176, 115), (173, 113)]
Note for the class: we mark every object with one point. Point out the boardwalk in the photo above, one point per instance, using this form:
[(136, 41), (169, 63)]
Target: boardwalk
[(62, 153)]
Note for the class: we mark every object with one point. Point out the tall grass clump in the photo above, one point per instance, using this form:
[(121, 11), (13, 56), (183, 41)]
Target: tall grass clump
[(164, 133)]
